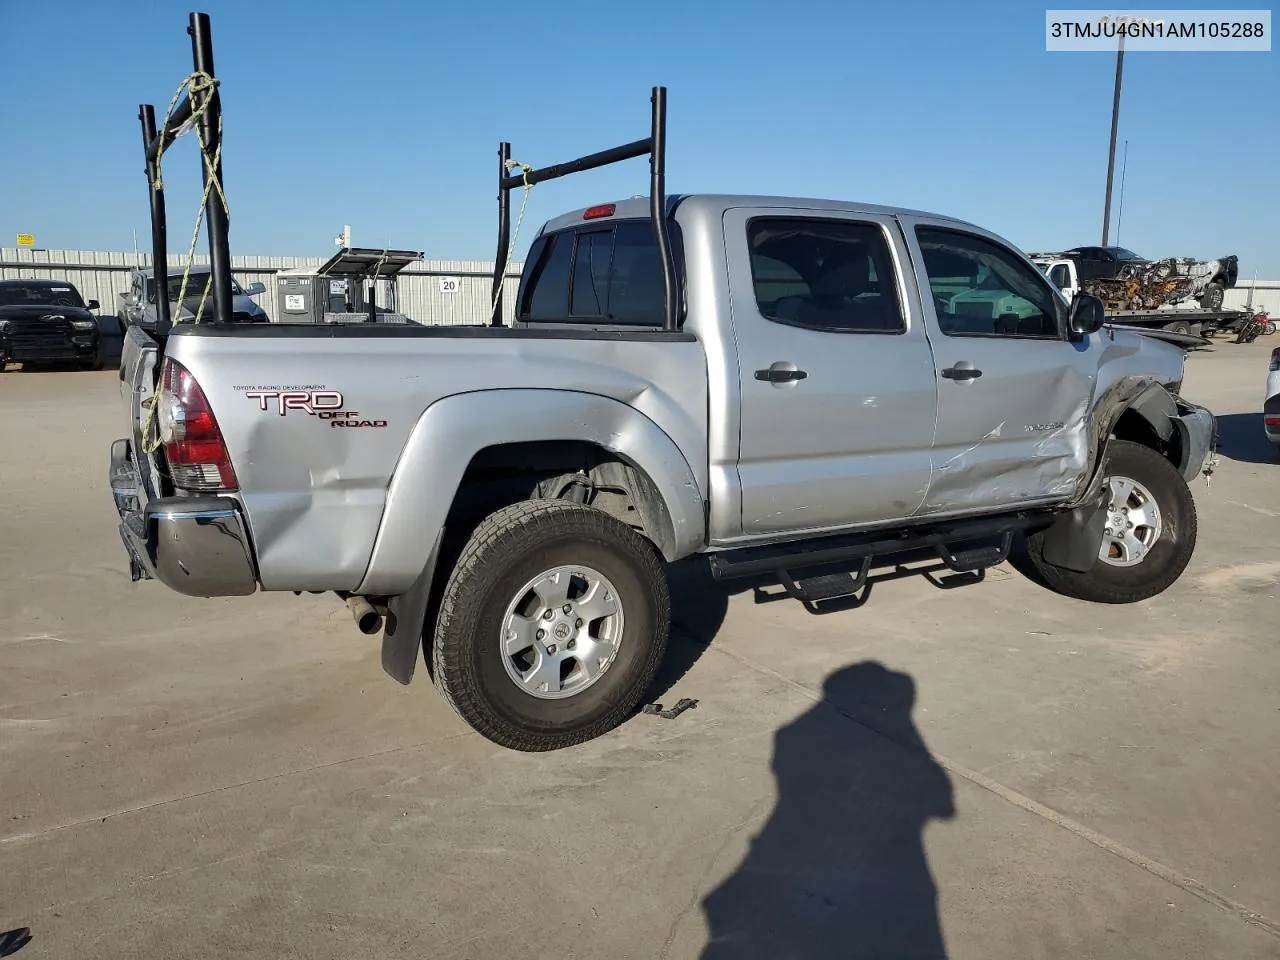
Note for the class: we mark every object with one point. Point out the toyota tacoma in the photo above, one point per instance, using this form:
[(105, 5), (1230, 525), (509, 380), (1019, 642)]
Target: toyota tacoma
[(789, 387)]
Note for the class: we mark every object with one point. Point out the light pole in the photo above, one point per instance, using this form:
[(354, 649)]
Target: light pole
[(1111, 154)]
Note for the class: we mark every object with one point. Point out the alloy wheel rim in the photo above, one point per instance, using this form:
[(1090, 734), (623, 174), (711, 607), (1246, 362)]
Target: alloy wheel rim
[(1133, 524), (561, 632)]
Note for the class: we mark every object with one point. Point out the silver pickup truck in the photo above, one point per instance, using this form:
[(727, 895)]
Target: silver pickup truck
[(795, 388)]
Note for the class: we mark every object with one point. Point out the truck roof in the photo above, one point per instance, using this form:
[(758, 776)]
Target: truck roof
[(714, 204)]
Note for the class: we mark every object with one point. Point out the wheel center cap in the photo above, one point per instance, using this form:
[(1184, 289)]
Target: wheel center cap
[(562, 630)]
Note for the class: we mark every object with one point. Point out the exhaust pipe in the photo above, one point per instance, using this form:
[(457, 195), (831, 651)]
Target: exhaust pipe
[(368, 620)]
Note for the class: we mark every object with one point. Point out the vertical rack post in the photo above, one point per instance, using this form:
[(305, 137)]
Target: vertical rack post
[(215, 213), (658, 204), (159, 232), (504, 236)]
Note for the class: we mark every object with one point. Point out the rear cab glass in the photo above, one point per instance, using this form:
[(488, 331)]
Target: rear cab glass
[(600, 274)]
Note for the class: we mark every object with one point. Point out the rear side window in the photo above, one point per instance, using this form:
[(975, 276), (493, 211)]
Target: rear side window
[(832, 275), (606, 276)]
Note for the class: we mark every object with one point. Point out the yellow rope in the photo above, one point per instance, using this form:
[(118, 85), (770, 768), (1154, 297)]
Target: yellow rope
[(525, 170), (200, 88)]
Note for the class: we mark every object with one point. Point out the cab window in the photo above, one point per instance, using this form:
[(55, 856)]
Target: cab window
[(980, 289), (604, 275), (824, 274)]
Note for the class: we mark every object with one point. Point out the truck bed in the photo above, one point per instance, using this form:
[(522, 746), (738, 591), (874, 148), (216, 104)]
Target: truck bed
[(316, 471)]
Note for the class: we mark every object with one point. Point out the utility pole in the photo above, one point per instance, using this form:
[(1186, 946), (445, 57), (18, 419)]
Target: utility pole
[(1111, 154)]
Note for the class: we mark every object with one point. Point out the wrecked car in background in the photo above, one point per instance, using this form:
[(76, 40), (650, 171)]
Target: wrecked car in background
[(1123, 280)]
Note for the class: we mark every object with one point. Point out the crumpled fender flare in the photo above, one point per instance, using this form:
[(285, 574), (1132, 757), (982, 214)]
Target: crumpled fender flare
[(1072, 542)]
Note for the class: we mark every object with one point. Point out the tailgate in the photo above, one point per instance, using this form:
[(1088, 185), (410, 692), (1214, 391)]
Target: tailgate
[(139, 369)]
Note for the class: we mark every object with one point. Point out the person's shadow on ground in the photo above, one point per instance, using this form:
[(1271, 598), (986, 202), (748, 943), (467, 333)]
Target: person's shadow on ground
[(839, 870)]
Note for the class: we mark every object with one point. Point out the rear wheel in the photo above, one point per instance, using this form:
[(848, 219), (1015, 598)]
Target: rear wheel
[(1149, 538), (551, 626), (1212, 297)]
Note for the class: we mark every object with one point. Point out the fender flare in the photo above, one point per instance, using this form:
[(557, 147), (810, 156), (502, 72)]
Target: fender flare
[(1157, 407), (451, 431)]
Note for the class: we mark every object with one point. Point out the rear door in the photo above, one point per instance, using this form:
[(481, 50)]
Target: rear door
[(835, 373), (1013, 391)]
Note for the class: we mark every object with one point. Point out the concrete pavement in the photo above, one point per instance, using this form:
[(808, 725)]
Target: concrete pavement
[(987, 772)]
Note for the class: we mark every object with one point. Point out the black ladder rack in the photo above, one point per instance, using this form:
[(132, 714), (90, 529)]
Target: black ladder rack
[(654, 145), (155, 143)]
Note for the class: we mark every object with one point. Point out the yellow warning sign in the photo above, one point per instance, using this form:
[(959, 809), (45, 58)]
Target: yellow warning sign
[(26, 240)]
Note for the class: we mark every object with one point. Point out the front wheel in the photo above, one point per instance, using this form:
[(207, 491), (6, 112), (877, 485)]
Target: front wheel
[(1149, 537), (551, 626)]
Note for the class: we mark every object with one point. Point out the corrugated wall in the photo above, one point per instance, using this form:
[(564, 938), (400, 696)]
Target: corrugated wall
[(103, 276), (1265, 296)]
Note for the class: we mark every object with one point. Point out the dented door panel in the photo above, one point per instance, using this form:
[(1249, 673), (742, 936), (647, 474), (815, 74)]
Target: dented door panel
[(1014, 393)]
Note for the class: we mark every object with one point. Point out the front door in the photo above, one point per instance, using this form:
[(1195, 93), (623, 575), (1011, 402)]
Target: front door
[(1013, 391), (1062, 275), (836, 378)]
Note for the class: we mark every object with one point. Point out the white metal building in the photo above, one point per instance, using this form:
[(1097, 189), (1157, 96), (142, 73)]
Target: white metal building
[(435, 291)]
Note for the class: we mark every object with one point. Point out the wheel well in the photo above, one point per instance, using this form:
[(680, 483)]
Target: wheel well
[(587, 473), (509, 473), (1136, 428)]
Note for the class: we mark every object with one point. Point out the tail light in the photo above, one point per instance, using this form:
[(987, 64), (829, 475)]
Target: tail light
[(189, 432), (1275, 359)]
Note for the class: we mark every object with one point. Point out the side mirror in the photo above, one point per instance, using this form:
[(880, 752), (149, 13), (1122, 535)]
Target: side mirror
[(92, 305), (253, 289), (1087, 315)]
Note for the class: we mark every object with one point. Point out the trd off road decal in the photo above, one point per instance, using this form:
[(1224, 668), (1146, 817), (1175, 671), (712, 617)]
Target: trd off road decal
[(327, 405)]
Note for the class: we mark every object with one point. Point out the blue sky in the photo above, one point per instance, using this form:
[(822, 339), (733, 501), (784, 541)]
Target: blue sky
[(389, 118)]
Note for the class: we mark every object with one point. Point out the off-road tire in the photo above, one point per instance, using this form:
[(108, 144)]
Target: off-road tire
[(1168, 556), (1212, 296), (508, 548)]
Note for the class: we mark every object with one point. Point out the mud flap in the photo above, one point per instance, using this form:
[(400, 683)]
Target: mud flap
[(1075, 538), (406, 619)]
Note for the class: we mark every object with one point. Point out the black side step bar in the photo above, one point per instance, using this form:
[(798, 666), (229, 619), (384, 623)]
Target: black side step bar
[(978, 557), (953, 543)]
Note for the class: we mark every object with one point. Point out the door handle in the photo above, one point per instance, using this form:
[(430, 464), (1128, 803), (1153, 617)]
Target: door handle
[(781, 371), (963, 370)]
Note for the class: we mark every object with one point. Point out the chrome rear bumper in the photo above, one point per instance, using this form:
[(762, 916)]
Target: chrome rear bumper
[(194, 545)]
